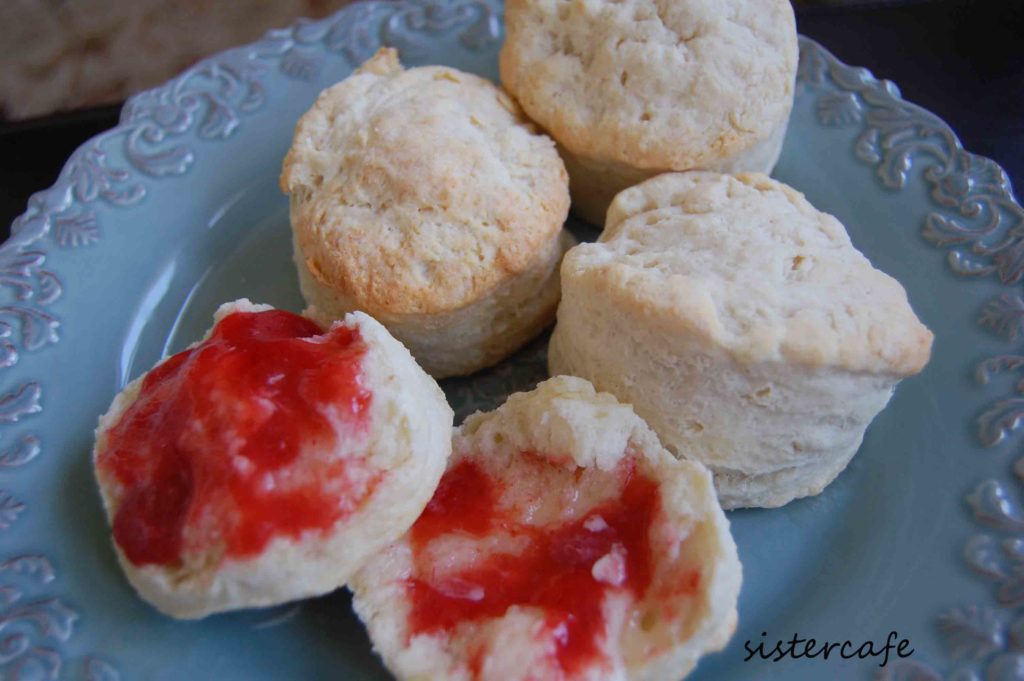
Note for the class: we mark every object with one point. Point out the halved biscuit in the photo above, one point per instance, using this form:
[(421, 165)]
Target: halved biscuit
[(266, 462), (562, 542)]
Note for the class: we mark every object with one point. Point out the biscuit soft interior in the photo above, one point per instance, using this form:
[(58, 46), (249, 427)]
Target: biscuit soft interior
[(556, 453)]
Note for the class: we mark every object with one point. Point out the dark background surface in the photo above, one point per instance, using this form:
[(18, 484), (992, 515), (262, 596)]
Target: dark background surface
[(961, 59)]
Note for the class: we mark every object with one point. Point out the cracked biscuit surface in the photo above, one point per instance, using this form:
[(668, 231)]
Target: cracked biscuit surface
[(633, 88), (742, 325), (425, 198)]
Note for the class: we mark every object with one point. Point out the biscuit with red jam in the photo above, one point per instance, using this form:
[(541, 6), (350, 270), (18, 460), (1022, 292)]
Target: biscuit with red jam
[(564, 542), (268, 461)]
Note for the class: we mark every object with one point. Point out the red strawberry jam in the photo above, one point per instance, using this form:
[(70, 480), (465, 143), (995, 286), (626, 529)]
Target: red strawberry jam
[(232, 443), (555, 572)]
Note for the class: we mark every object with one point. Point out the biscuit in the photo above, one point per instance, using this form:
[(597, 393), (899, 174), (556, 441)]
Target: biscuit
[(633, 88), (425, 198), (267, 462), (563, 542), (742, 325)]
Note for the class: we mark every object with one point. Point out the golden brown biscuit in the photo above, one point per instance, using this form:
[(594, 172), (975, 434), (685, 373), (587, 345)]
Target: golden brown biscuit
[(742, 325), (633, 88), (426, 199)]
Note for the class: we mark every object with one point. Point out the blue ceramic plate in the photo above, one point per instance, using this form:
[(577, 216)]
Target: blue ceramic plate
[(154, 223)]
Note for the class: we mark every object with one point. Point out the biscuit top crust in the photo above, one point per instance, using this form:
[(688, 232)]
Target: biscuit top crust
[(656, 84), (745, 264), (421, 190), (255, 433)]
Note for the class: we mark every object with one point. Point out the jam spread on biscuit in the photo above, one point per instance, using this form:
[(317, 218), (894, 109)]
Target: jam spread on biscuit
[(565, 569), (229, 443)]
